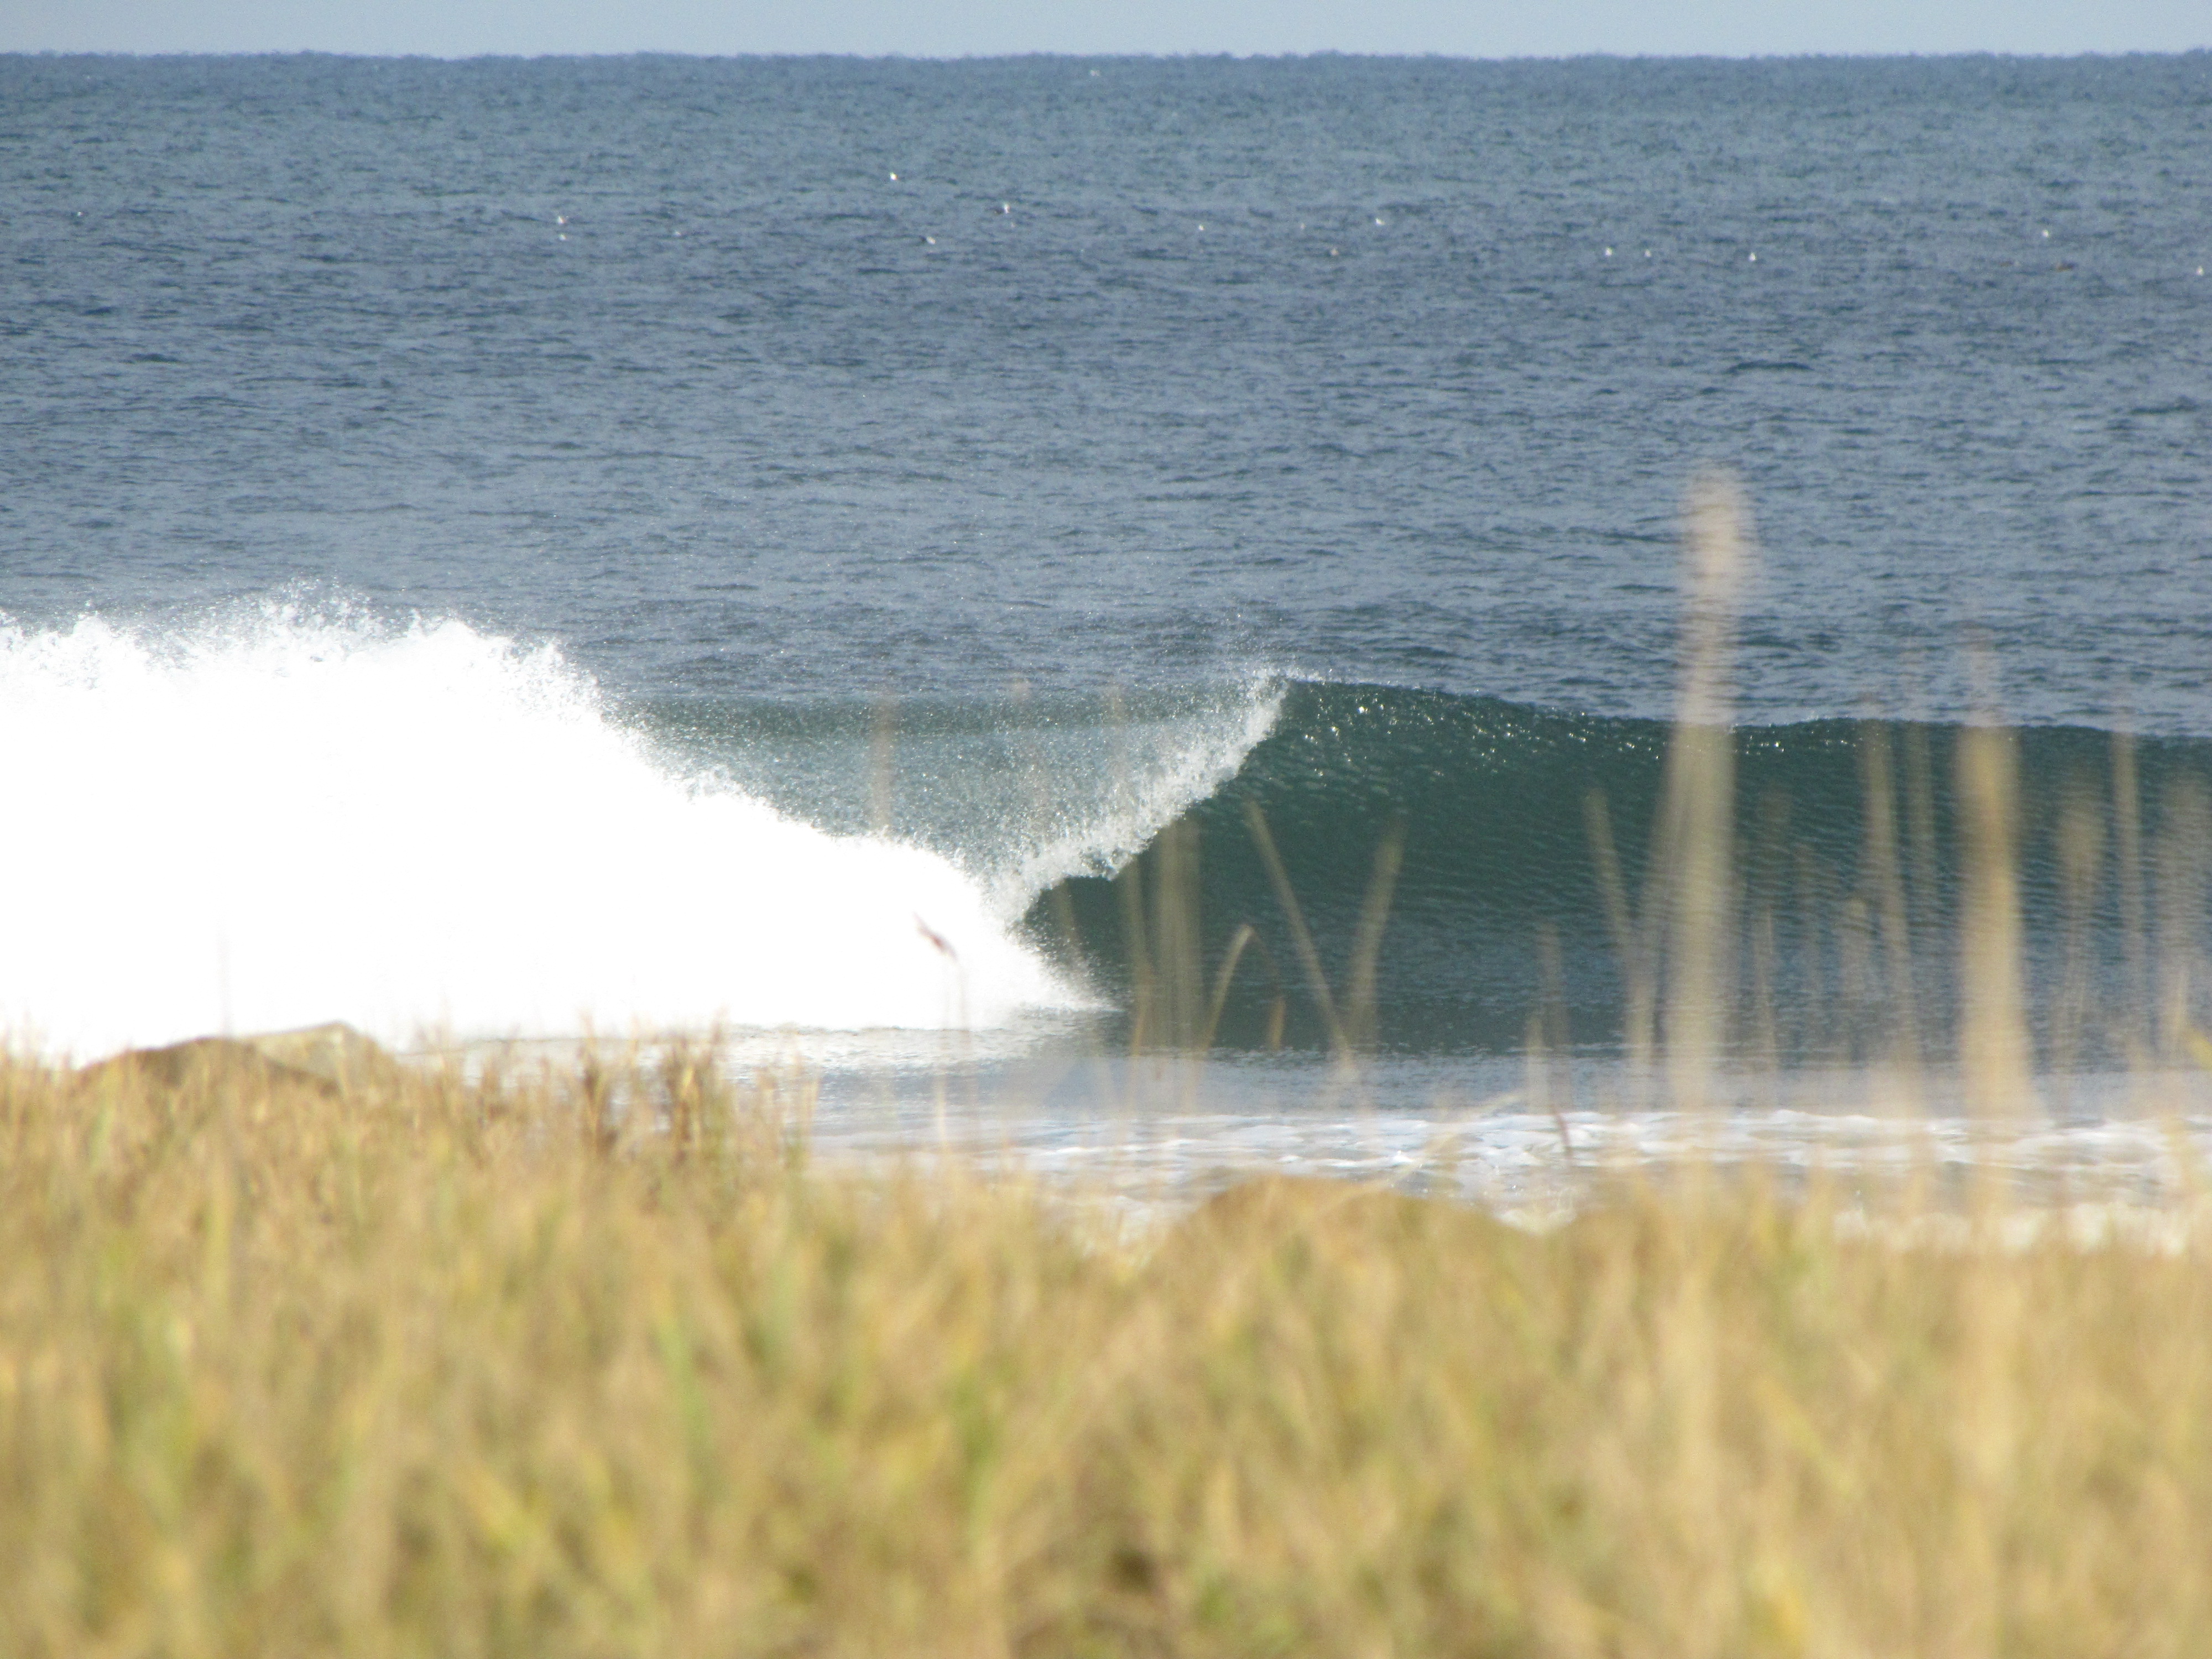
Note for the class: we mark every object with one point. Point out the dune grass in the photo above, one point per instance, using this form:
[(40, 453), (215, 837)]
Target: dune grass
[(432, 1367)]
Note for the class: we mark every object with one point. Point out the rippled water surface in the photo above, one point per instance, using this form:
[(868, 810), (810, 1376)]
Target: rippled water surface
[(1139, 372)]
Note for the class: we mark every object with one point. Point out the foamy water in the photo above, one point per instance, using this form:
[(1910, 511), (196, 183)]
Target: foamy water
[(422, 829)]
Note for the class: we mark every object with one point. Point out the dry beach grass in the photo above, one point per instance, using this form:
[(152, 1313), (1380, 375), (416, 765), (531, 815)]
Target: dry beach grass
[(428, 1367)]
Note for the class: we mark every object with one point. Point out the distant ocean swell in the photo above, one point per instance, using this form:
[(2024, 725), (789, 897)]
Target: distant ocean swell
[(301, 814)]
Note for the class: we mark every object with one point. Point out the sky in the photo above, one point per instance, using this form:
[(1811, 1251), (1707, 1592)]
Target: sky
[(947, 29)]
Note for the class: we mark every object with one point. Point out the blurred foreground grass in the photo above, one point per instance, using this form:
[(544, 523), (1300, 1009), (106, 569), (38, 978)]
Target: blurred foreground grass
[(423, 1367)]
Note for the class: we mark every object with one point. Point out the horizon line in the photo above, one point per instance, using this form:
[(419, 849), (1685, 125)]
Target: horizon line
[(1599, 55)]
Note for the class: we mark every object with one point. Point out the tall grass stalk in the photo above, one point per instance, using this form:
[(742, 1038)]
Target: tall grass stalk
[(1697, 809)]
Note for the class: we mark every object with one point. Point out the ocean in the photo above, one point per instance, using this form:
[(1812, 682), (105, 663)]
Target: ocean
[(830, 551)]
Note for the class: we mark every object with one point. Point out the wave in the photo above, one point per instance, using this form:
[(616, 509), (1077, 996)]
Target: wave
[(301, 816), (1493, 796), (313, 813)]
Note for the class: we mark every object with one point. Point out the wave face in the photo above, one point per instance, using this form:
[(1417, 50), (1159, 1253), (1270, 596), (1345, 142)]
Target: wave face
[(298, 817), (1498, 851)]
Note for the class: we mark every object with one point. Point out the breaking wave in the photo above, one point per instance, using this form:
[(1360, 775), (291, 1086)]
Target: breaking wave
[(420, 828)]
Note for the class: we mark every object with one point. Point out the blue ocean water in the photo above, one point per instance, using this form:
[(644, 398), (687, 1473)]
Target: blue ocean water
[(998, 459), (1317, 366)]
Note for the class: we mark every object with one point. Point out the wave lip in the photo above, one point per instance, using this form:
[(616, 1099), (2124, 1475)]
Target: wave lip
[(427, 829), (1181, 766)]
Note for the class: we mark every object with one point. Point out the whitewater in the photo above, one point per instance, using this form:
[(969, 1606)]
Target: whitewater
[(436, 833)]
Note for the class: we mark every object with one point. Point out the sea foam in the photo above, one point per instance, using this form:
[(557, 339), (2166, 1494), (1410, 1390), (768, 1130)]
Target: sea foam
[(426, 829)]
